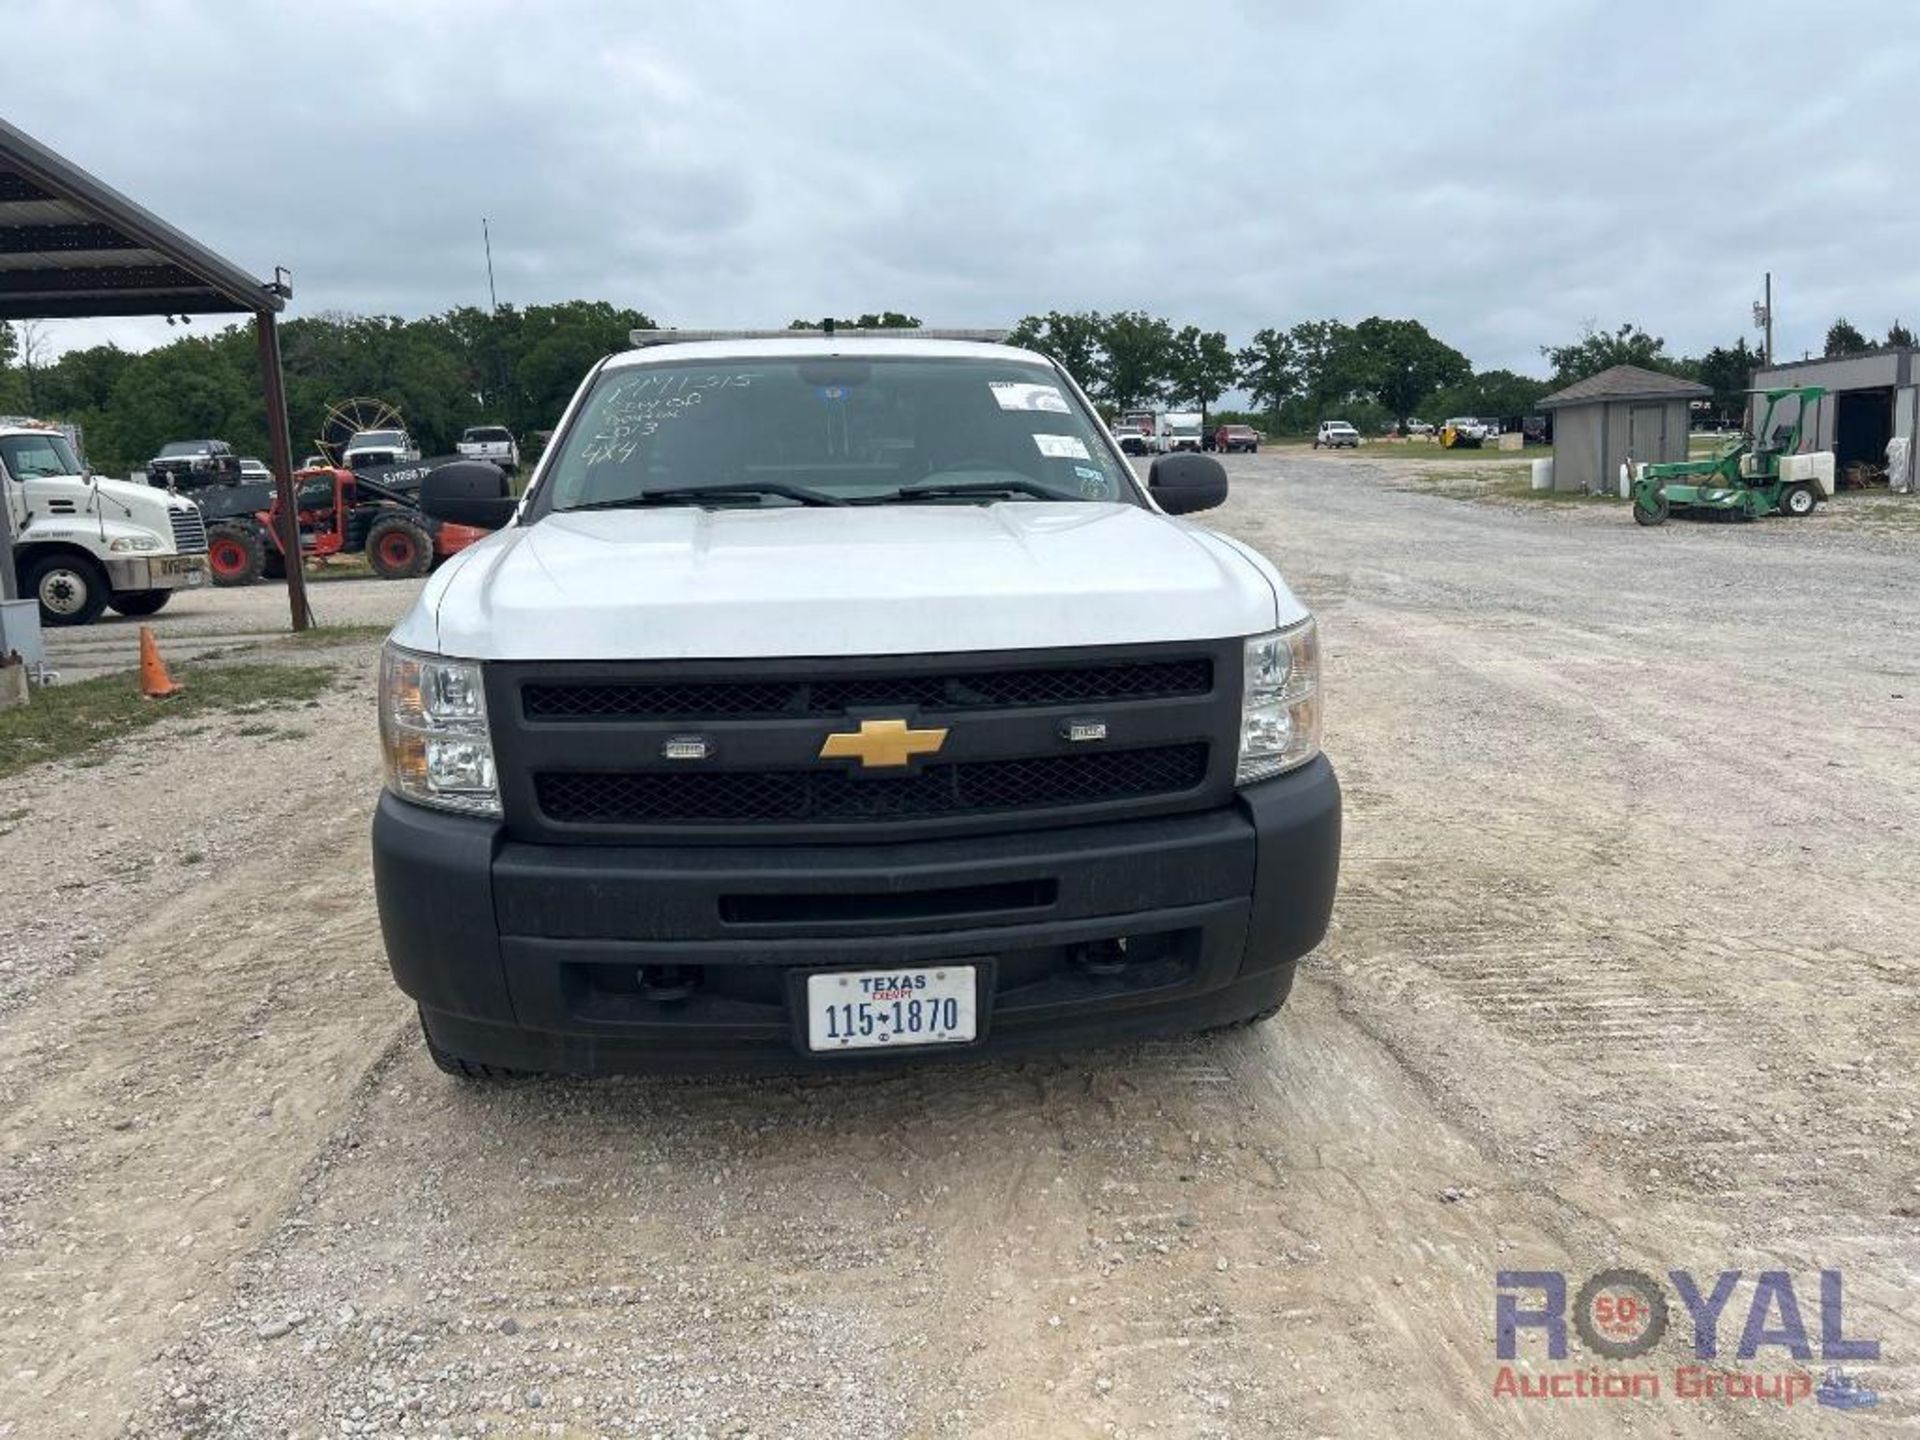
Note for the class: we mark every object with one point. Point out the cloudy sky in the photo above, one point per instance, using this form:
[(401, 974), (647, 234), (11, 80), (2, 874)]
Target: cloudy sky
[(1503, 172)]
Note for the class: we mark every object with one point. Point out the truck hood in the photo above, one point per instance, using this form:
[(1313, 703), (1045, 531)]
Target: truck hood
[(715, 584), (72, 505)]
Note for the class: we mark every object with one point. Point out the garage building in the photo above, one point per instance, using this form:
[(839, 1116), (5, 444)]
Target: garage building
[(1870, 399), (1626, 411)]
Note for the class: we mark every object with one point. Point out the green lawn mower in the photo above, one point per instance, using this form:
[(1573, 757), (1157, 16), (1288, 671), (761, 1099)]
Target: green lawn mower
[(1748, 478)]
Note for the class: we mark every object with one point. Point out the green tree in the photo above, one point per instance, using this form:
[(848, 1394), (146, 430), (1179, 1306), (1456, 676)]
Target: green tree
[(1074, 340), (1269, 370), (1400, 364), (885, 320), (1598, 350), (1844, 339), (1898, 334), (1139, 358), (1202, 367), (1328, 357), (1491, 394), (1728, 369)]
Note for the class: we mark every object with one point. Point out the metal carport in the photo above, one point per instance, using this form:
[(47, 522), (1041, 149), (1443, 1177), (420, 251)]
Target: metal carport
[(73, 247)]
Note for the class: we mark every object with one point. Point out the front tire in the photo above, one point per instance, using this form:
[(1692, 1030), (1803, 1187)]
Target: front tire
[(71, 589), (399, 549), (450, 1064), (135, 604), (1655, 514), (1798, 502), (236, 555)]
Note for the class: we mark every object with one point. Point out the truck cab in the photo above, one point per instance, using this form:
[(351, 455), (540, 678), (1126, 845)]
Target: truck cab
[(1184, 430), (492, 443), (82, 543), (369, 448), (837, 699)]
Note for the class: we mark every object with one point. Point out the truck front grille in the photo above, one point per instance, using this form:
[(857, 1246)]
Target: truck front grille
[(591, 701), (835, 796), (189, 531)]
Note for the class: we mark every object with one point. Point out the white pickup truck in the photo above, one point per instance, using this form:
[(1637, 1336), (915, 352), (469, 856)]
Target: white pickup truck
[(492, 443), (368, 448), (81, 543), (833, 698)]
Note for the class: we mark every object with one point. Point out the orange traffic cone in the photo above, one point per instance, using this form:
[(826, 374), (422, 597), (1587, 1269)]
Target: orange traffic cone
[(155, 683)]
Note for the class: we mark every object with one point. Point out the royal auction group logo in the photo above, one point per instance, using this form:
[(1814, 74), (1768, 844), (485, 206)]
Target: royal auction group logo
[(1622, 1316)]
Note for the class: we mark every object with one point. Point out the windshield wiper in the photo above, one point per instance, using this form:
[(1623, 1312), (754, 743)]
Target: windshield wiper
[(699, 494), (942, 490)]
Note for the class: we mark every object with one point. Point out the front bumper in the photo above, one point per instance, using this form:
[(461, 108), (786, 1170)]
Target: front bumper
[(598, 959), (157, 572)]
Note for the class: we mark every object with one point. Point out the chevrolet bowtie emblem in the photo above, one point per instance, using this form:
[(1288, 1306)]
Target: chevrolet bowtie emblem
[(882, 744)]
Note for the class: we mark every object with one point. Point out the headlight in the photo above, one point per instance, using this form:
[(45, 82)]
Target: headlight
[(129, 543), (1280, 703), (433, 730)]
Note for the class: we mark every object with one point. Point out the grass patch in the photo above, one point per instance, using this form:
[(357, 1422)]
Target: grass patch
[(339, 567), (336, 634), (1434, 450), (73, 722)]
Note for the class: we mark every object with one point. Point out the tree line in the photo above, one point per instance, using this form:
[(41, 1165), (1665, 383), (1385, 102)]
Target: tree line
[(518, 367), (444, 372)]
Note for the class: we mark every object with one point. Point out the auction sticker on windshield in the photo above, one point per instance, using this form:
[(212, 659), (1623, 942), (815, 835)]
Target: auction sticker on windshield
[(1062, 447), (1023, 395), (893, 1009)]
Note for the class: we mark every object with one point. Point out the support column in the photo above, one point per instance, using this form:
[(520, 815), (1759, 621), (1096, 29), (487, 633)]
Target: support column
[(280, 456)]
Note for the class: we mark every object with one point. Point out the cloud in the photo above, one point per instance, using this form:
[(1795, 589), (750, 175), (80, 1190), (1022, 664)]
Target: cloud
[(1502, 171)]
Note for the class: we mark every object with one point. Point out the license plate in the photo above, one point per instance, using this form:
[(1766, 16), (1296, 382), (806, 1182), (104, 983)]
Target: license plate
[(890, 1009), (194, 569)]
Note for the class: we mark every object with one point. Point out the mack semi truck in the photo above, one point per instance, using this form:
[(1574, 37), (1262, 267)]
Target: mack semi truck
[(82, 544)]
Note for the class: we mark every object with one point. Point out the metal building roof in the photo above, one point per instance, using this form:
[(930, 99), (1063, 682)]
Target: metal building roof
[(1626, 382), (71, 245)]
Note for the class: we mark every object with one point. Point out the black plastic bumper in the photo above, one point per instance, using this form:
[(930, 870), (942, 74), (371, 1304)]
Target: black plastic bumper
[(598, 959)]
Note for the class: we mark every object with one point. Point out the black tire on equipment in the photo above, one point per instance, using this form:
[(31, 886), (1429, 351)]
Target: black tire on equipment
[(84, 572), (136, 603), (1655, 516), (1798, 502), (385, 550), (453, 1065), (244, 540)]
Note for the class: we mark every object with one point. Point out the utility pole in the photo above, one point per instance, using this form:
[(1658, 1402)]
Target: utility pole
[(1769, 315), (486, 238)]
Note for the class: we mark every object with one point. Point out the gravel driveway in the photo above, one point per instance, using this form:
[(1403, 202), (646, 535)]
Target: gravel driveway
[(1623, 972)]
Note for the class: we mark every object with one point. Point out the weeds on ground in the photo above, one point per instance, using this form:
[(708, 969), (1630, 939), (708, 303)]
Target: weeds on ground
[(335, 635), (74, 722)]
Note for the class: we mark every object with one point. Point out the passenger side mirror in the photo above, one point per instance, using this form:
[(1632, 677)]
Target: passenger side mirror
[(1187, 482), (469, 492)]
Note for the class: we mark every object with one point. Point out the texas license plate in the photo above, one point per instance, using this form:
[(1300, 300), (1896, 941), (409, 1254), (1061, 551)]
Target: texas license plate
[(891, 1009)]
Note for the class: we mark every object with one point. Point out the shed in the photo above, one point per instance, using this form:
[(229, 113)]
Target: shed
[(1627, 411), (1871, 398), (71, 245)]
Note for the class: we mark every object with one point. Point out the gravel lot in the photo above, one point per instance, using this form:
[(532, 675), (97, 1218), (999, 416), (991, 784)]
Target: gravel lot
[(1623, 972)]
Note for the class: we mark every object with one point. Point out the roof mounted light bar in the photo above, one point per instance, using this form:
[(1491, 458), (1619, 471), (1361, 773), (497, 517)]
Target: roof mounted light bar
[(641, 339)]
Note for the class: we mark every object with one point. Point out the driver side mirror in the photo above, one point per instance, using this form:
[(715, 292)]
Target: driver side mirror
[(1186, 482), (469, 492)]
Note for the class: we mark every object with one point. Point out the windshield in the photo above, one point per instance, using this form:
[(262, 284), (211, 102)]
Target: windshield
[(184, 447), (777, 431), (28, 457), (375, 437), (488, 432)]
